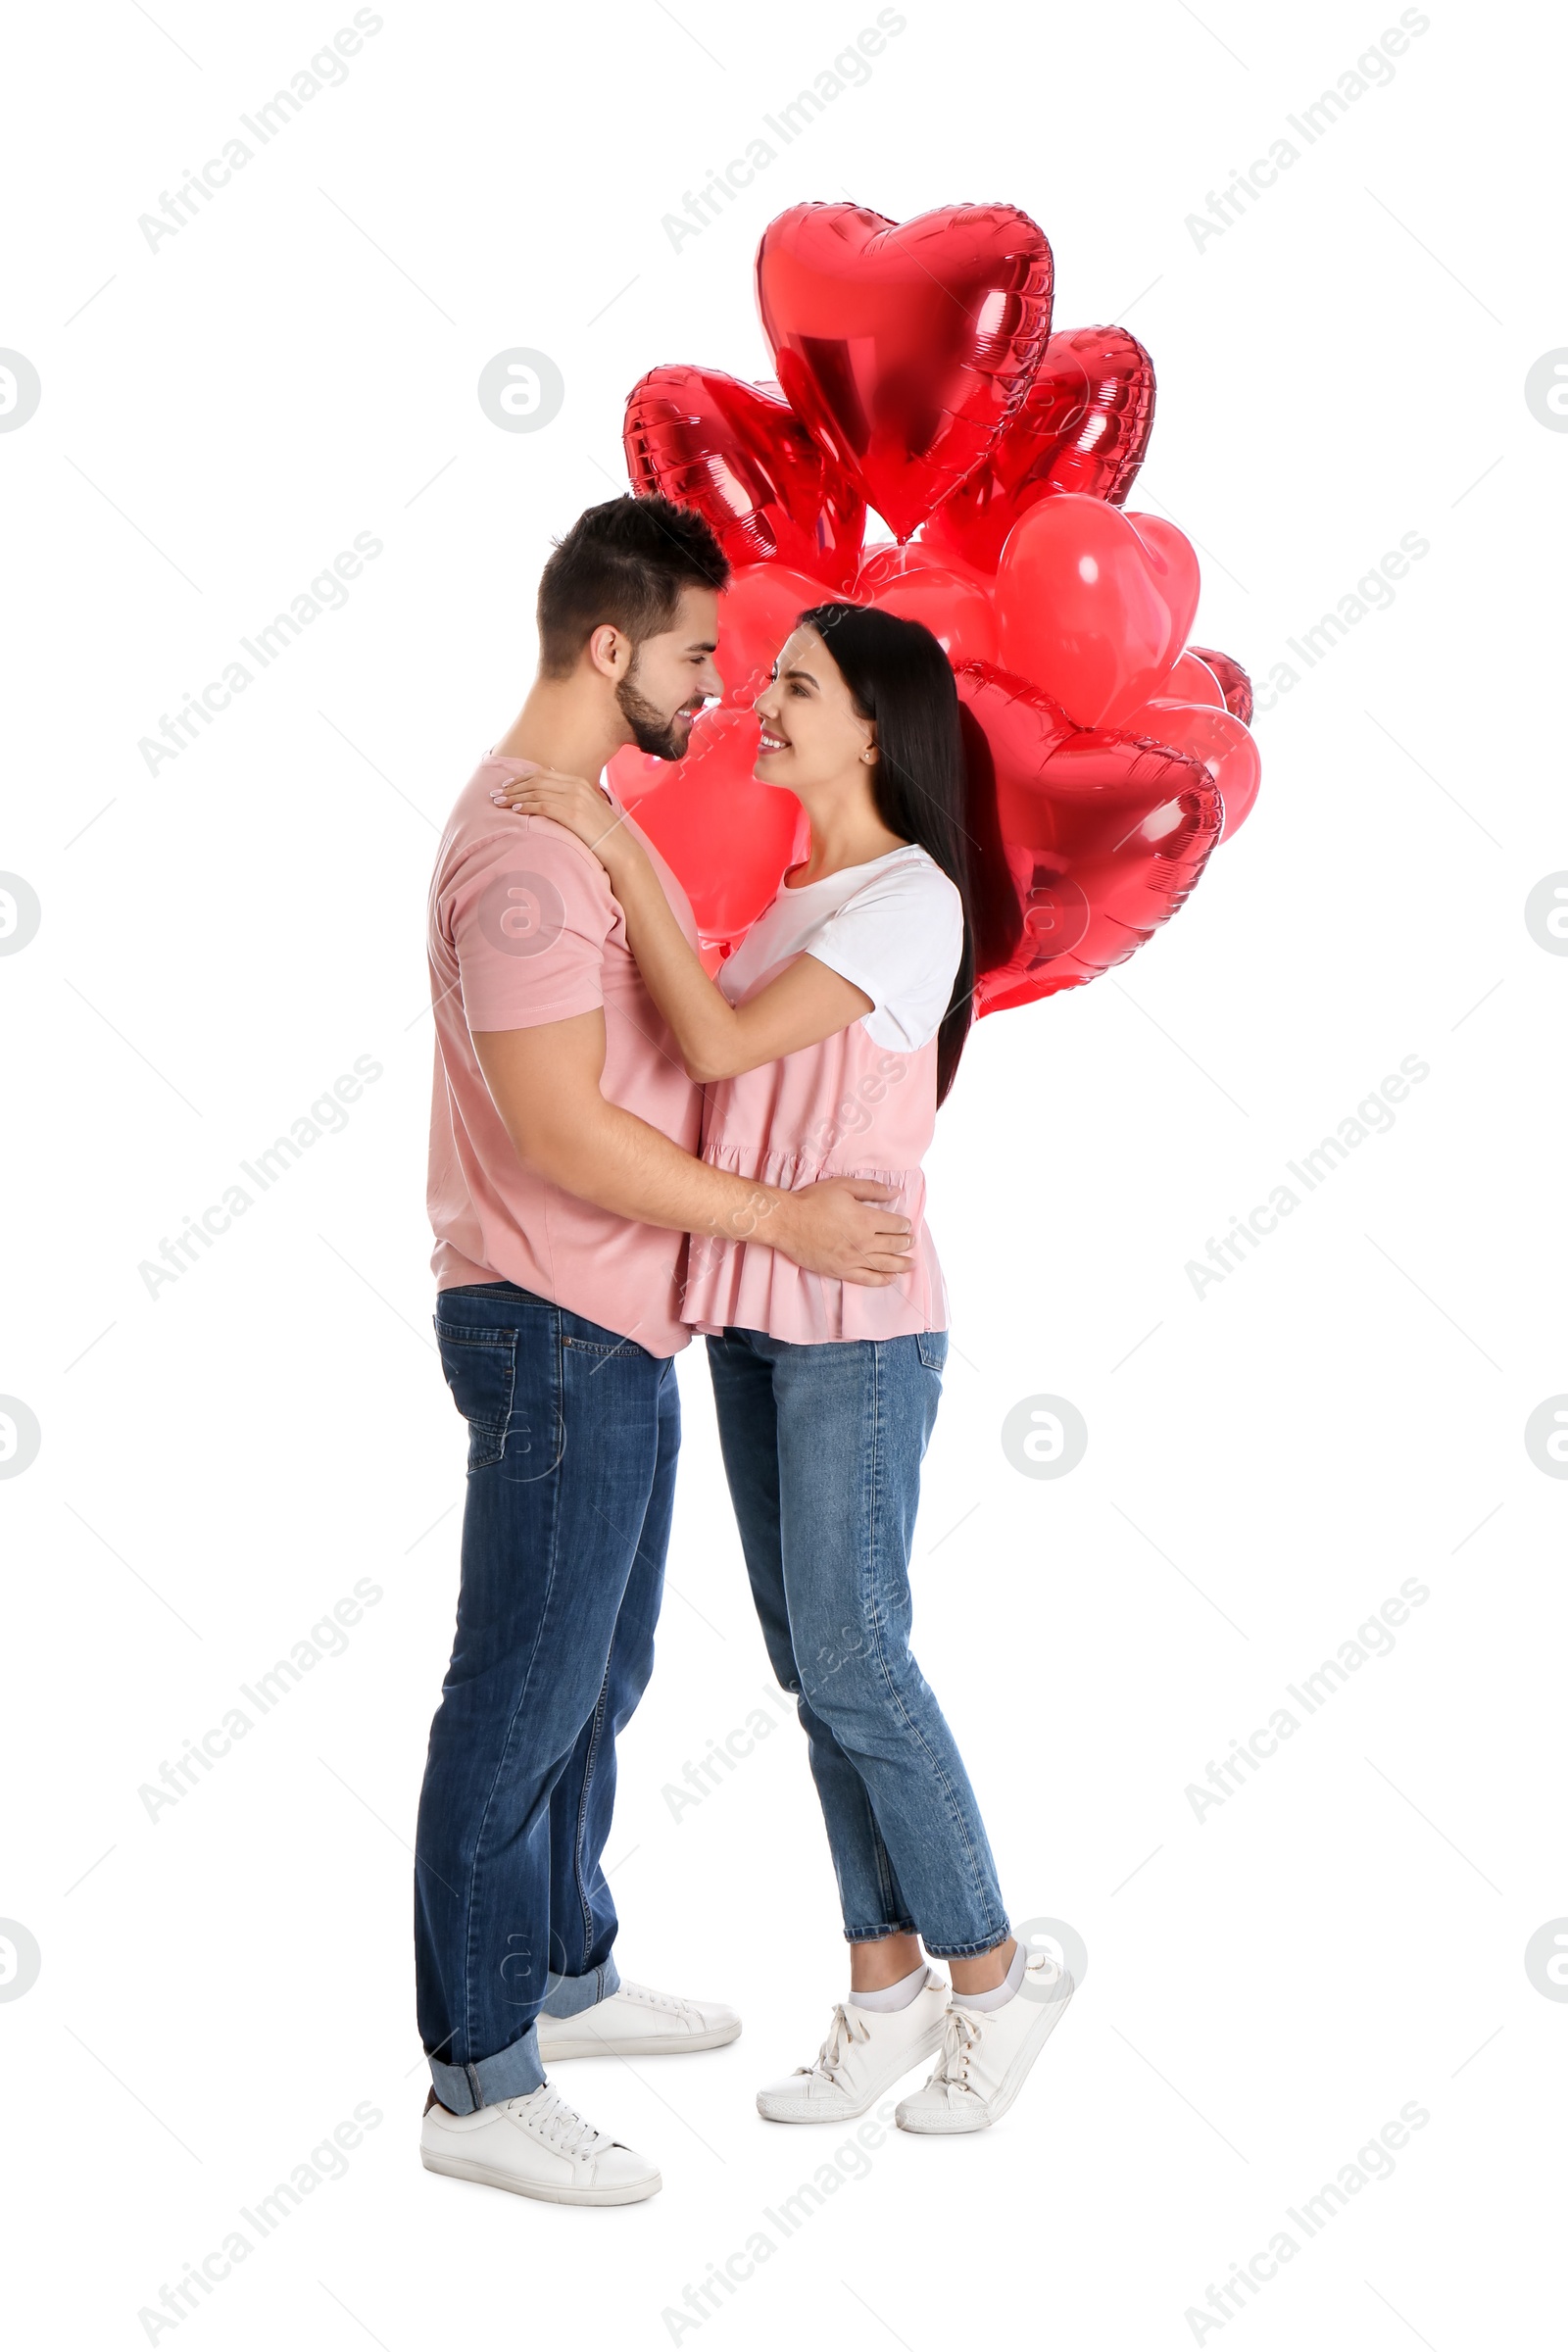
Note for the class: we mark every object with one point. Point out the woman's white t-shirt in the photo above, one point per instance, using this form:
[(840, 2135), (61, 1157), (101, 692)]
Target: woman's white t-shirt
[(893, 927)]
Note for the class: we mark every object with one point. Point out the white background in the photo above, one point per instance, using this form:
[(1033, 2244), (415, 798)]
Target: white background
[(1266, 1464)]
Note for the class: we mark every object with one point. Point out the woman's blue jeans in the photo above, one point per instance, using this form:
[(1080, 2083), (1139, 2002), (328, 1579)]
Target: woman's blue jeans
[(822, 1447)]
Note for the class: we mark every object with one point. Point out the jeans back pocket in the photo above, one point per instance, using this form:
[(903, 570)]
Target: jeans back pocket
[(481, 1371)]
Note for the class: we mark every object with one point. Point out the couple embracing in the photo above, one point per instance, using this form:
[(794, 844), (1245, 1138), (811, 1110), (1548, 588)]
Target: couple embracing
[(623, 1153)]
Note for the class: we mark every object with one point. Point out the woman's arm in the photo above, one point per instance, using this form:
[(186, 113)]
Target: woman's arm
[(716, 1039)]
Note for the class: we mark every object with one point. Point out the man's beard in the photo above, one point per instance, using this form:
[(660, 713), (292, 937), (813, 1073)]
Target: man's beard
[(659, 737)]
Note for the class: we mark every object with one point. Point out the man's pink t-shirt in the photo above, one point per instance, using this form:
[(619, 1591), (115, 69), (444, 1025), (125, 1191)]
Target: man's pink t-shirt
[(524, 929)]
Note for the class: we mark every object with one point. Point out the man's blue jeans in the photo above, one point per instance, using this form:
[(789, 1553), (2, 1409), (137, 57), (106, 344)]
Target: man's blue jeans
[(572, 1438), (822, 1449)]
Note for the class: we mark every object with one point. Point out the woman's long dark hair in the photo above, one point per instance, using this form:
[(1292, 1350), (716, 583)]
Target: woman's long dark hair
[(900, 680)]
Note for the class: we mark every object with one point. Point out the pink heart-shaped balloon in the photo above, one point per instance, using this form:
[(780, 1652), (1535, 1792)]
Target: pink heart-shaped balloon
[(1095, 604), (757, 612), (954, 603), (1193, 681), (1217, 739)]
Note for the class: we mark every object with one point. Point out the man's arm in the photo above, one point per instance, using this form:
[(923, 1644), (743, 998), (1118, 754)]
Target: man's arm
[(545, 1084), (805, 1005)]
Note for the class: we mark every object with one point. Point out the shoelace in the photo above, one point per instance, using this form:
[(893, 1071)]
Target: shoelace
[(651, 1999), (563, 2129), (961, 2035), (962, 2030), (846, 2029)]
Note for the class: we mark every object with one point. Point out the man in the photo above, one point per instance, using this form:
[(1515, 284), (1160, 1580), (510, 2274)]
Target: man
[(563, 1183)]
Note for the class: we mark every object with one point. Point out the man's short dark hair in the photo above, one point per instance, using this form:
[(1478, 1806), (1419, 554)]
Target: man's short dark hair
[(625, 564)]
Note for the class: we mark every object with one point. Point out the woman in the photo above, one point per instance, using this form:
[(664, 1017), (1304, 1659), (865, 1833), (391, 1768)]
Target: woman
[(832, 1035)]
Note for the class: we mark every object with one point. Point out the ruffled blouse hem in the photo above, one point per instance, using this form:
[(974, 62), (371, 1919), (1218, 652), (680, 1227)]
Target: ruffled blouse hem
[(746, 1287)]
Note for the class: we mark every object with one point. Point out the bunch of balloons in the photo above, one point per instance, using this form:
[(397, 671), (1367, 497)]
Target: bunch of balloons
[(918, 375)]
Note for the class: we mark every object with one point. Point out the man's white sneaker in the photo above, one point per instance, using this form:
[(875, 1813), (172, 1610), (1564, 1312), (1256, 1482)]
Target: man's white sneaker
[(635, 2023), (536, 2146), (865, 2050), (985, 2055)]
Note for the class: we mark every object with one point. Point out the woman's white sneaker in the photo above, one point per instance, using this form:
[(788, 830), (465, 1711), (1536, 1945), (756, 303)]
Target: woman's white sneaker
[(637, 2023), (536, 2146), (986, 2053), (865, 2050)]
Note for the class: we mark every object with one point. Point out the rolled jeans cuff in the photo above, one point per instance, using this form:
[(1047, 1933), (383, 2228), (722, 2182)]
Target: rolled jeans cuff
[(567, 1996), (509, 2075), (519, 2069)]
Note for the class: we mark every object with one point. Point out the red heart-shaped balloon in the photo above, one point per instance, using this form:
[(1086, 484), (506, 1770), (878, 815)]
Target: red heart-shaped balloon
[(727, 837), (747, 463), (1233, 683), (1095, 604), (1104, 834), (905, 345), (1081, 426)]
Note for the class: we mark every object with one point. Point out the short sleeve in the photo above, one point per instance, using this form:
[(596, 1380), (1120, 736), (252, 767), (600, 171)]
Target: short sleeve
[(528, 916), (900, 939)]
